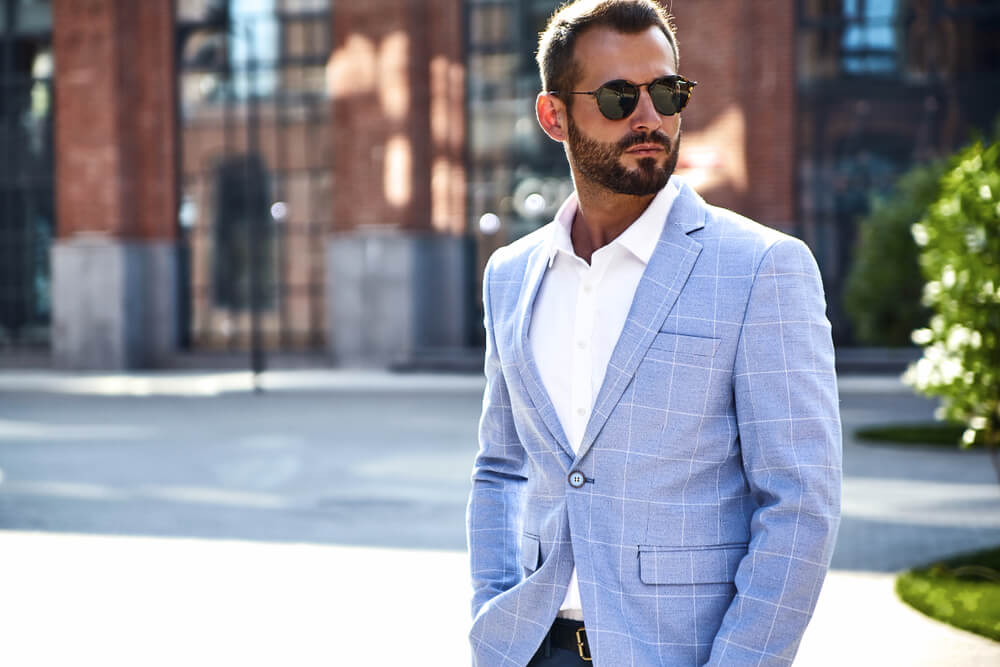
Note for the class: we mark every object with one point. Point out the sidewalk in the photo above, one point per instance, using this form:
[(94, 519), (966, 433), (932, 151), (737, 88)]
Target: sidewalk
[(125, 600), (213, 383)]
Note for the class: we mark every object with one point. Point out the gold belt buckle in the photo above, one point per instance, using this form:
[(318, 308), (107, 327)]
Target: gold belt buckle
[(580, 645)]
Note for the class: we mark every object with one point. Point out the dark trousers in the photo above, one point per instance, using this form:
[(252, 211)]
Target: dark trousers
[(549, 655), (558, 657)]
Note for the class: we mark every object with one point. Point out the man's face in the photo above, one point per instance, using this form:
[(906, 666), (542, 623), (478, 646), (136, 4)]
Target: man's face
[(635, 155)]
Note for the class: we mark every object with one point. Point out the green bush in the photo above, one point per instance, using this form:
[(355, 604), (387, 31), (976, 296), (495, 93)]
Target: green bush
[(959, 241), (963, 591), (882, 291)]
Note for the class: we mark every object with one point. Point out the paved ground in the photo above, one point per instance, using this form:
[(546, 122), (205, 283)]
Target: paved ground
[(185, 514)]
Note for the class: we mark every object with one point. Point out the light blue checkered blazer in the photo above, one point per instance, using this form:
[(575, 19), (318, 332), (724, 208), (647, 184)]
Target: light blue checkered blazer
[(712, 458)]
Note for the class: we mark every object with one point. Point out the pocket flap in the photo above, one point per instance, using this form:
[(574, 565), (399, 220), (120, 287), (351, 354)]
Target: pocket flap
[(683, 344), (530, 550), (700, 565)]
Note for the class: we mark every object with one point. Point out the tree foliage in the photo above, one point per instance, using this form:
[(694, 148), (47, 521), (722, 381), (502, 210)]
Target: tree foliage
[(883, 288), (959, 240)]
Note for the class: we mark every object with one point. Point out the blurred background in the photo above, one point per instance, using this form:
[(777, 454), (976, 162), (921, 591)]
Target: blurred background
[(310, 189), (183, 179)]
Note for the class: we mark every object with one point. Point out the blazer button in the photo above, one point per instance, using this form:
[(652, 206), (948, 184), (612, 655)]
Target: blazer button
[(576, 479)]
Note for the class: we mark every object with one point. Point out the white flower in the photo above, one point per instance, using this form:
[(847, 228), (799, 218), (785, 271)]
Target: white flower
[(920, 374), (972, 165), (969, 436), (975, 239), (975, 340), (919, 232), (984, 192), (937, 324), (950, 207), (922, 336), (977, 423), (948, 277), (932, 291), (958, 337), (951, 368)]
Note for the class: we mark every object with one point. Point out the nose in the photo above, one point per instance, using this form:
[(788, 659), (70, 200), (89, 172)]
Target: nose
[(645, 118)]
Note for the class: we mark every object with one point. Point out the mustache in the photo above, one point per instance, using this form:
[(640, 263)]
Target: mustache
[(636, 138)]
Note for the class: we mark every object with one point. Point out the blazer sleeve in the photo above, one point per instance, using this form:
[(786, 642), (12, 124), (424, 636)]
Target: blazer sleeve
[(785, 393), (498, 478)]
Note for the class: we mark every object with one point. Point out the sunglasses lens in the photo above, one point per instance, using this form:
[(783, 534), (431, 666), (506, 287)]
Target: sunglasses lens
[(617, 99), (669, 95)]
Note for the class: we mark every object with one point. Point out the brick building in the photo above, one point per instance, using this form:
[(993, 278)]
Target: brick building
[(330, 176)]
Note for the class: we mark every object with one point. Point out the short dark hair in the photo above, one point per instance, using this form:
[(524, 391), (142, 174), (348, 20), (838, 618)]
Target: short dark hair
[(558, 69)]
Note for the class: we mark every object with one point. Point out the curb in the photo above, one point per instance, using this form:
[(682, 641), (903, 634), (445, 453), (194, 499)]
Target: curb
[(228, 382)]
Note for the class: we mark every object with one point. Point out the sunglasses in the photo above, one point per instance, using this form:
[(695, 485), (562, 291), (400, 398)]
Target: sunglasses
[(618, 99)]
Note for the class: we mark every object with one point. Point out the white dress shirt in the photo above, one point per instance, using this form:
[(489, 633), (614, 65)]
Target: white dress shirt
[(579, 314)]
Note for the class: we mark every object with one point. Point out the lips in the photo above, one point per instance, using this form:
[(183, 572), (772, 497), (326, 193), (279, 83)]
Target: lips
[(646, 149)]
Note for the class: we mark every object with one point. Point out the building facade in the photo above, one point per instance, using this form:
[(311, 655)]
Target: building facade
[(330, 177)]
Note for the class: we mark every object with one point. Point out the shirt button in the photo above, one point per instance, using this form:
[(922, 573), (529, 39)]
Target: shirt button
[(576, 479), (581, 344), (588, 288), (581, 411)]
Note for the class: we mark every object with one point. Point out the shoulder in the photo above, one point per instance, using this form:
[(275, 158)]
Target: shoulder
[(735, 236), (510, 261)]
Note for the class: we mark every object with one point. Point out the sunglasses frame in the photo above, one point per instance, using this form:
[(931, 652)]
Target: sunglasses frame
[(680, 90)]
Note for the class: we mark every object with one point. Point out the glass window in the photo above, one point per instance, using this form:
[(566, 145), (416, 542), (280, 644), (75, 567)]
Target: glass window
[(27, 211), (253, 47), (304, 6), (33, 16), (490, 25), (255, 157), (869, 41), (198, 10), (517, 176), (244, 233)]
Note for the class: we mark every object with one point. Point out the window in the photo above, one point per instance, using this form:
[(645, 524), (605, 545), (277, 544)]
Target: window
[(256, 154), (244, 239), (253, 47), (869, 41), (27, 214)]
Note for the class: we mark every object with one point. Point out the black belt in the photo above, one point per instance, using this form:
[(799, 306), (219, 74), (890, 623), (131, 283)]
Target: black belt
[(570, 635)]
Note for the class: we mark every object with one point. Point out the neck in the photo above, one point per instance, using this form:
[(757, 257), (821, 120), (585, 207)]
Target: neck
[(601, 216)]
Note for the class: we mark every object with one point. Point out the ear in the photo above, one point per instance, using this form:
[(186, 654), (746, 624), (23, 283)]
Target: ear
[(551, 114)]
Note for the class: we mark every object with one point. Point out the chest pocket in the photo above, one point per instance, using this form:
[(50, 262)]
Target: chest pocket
[(673, 390), (682, 344)]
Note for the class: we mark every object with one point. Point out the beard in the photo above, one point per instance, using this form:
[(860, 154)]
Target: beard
[(601, 162)]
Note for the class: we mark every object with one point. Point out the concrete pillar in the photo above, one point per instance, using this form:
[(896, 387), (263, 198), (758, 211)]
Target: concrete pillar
[(396, 252), (114, 261)]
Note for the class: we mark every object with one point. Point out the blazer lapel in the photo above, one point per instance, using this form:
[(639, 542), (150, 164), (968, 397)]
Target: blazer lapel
[(661, 284), (534, 271)]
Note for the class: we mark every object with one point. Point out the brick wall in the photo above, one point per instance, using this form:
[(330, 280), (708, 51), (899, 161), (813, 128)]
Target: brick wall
[(739, 141), (396, 79), (115, 118)]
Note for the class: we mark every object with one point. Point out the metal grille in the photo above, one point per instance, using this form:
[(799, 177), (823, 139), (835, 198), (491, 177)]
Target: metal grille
[(26, 196), (256, 171)]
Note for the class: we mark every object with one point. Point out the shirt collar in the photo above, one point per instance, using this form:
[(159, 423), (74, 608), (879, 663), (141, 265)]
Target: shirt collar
[(639, 238)]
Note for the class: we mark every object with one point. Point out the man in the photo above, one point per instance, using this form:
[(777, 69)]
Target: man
[(658, 480)]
